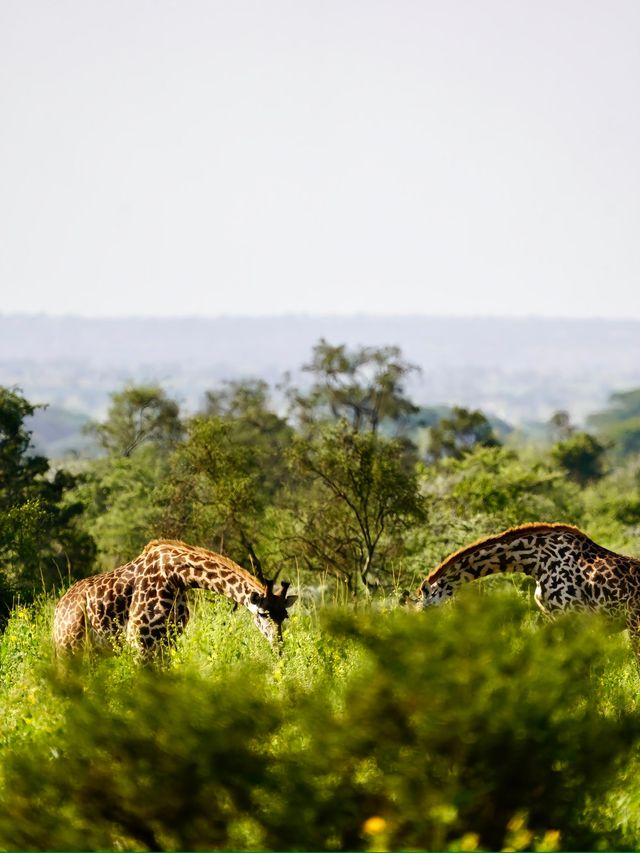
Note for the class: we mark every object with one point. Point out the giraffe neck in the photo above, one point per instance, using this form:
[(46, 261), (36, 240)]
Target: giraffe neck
[(219, 578), (520, 549), (196, 568)]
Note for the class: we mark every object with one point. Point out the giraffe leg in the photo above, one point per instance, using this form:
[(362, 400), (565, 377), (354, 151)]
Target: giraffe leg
[(539, 599), (155, 621), (544, 605), (633, 626), (139, 633)]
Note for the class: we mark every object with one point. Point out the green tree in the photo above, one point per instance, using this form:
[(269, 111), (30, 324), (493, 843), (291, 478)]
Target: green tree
[(139, 414), (458, 434), (560, 426), (612, 507), (123, 489), (486, 491), (582, 456), (360, 495), (40, 537), (123, 496), (228, 475), (362, 387)]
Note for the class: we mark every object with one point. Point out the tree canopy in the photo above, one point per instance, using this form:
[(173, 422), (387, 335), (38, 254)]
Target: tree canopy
[(41, 538)]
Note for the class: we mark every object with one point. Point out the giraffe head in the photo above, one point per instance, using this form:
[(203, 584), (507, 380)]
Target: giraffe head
[(434, 592), (270, 609)]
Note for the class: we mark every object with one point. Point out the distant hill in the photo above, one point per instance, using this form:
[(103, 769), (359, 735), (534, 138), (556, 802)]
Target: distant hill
[(515, 369), (56, 432)]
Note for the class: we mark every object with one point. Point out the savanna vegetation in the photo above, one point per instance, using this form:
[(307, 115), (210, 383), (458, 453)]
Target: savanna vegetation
[(477, 725)]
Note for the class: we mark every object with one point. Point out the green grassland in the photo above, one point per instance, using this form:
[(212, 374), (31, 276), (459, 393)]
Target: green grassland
[(478, 725)]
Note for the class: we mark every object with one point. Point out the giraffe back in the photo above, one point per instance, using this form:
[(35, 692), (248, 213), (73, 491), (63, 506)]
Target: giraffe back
[(95, 609), (570, 569)]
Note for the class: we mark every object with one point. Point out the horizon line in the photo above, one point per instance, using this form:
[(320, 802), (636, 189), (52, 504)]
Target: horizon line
[(295, 315)]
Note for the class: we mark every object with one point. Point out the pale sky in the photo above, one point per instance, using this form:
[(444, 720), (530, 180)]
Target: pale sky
[(215, 157)]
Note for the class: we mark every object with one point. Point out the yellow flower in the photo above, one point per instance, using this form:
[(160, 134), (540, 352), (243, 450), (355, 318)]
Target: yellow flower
[(521, 839), (516, 822), (469, 842), (374, 825), (550, 841)]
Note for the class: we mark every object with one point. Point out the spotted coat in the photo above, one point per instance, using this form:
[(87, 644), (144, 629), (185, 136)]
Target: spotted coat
[(570, 570), (145, 601)]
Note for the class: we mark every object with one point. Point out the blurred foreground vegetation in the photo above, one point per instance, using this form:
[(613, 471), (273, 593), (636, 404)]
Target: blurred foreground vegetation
[(474, 726)]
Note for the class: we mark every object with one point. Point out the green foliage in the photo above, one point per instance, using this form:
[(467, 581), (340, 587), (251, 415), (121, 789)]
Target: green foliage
[(488, 490), (496, 717), (455, 436), (18, 468), (473, 726), (228, 474), (139, 414), (123, 496), (123, 491), (40, 535), (612, 508), (363, 496), (361, 387), (581, 455), (504, 487)]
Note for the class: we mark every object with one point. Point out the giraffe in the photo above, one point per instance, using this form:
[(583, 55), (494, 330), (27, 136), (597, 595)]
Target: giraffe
[(571, 572), (145, 599)]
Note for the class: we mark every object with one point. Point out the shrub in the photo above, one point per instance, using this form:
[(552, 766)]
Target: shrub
[(471, 725)]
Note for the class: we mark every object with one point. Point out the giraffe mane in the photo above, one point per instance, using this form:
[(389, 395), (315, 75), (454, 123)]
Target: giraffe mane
[(227, 562), (505, 534)]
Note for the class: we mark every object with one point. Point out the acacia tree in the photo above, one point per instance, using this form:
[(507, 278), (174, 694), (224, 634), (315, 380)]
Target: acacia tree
[(361, 495), (361, 387), (139, 414), (356, 490)]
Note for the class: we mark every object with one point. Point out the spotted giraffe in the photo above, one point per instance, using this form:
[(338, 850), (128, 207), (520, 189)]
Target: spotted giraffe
[(145, 600), (570, 570)]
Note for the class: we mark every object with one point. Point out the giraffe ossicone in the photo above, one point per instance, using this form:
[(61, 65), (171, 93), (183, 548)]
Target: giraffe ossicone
[(145, 600), (571, 572)]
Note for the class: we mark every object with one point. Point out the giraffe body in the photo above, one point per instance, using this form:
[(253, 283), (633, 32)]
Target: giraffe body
[(145, 600), (571, 572)]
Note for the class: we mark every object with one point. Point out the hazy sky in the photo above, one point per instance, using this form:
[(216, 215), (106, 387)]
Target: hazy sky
[(178, 157)]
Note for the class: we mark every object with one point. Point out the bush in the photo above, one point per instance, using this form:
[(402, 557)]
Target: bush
[(471, 725)]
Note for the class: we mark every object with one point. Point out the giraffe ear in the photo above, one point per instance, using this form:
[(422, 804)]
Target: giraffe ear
[(289, 600), (255, 598)]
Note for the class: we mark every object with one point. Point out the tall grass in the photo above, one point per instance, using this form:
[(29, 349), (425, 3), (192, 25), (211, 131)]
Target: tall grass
[(476, 725)]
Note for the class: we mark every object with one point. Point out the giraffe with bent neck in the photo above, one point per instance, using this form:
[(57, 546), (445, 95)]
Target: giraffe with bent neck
[(145, 600), (570, 570)]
